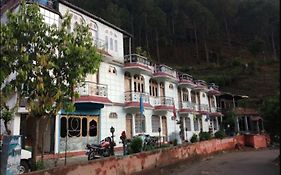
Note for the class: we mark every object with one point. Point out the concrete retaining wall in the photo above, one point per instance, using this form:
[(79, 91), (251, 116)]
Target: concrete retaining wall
[(145, 160)]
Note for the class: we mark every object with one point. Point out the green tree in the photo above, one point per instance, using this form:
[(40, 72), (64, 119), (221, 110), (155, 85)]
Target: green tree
[(49, 62), (271, 114)]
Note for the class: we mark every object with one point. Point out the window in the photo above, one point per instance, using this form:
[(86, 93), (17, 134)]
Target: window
[(162, 89), (84, 127), (74, 126), (111, 44), (112, 70), (139, 123), (187, 124), (196, 124), (78, 126), (193, 97), (113, 115), (153, 88), (63, 129), (203, 94), (155, 122), (93, 128), (115, 45), (171, 86), (138, 83), (106, 43), (184, 95)]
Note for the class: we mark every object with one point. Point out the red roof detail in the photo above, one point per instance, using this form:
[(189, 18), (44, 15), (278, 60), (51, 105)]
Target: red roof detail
[(163, 107), (213, 92), (215, 114), (137, 104), (95, 99), (186, 110), (161, 74), (136, 65)]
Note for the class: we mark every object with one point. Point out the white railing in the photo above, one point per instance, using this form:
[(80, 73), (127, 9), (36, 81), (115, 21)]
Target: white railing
[(161, 68), (204, 107), (213, 86), (138, 59), (88, 88), (184, 77), (201, 83), (135, 97), (187, 105), (163, 101)]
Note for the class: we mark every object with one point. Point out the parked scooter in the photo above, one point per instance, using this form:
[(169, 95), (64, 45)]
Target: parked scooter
[(95, 151)]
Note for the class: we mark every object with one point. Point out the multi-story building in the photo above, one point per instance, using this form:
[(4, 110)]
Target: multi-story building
[(111, 96)]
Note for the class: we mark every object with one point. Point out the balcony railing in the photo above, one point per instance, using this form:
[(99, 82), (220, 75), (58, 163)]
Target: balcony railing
[(163, 101), (99, 43), (201, 83), (185, 77), (204, 107), (187, 105), (92, 89), (213, 86), (213, 109), (166, 70), (137, 59), (135, 97)]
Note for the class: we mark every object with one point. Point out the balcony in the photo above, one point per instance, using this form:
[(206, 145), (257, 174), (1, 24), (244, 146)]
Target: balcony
[(163, 72), (213, 89), (132, 100), (215, 111), (135, 63), (186, 107), (203, 109), (186, 80), (163, 103), (201, 85), (92, 92)]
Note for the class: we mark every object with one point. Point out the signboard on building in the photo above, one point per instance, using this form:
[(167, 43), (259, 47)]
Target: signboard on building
[(10, 155)]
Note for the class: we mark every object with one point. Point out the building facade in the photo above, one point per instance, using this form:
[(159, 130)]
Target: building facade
[(173, 101)]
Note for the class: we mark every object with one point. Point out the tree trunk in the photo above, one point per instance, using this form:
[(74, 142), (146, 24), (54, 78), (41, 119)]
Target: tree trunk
[(227, 32), (35, 142), (273, 46), (133, 30), (7, 129), (196, 42), (157, 45), (206, 51), (146, 35)]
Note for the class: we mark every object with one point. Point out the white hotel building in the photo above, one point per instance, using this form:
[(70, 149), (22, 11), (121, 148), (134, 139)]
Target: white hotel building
[(110, 98)]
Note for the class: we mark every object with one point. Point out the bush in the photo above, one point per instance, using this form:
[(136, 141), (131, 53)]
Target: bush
[(220, 134), (136, 145), (40, 165), (194, 138), (204, 136), (175, 142)]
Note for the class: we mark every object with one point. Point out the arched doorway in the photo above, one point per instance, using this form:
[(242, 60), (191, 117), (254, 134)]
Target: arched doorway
[(129, 126)]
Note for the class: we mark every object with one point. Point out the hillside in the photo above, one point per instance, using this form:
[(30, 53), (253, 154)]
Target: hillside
[(233, 43)]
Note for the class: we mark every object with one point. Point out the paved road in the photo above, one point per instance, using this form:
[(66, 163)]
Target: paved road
[(233, 163)]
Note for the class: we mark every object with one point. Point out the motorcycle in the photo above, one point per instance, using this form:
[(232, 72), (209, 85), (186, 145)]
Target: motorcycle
[(95, 151)]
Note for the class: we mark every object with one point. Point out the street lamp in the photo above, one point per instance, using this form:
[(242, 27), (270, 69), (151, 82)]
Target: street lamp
[(112, 130), (159, 130)]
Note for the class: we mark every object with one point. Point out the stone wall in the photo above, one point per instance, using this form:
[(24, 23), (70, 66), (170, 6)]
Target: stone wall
[(145, 160)]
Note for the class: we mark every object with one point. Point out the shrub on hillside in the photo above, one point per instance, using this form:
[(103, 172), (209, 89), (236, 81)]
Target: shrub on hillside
[(194, 138), (204, 136), (220, 134)]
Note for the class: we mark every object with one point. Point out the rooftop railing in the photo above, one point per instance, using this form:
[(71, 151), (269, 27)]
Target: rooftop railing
[(213, 86), (183, 77), (201, 83), (88, 88), (161, 68), (137, 59)]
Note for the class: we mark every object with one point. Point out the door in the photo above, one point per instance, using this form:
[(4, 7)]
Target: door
[(127, 82), (164, 128), (129, 125)]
